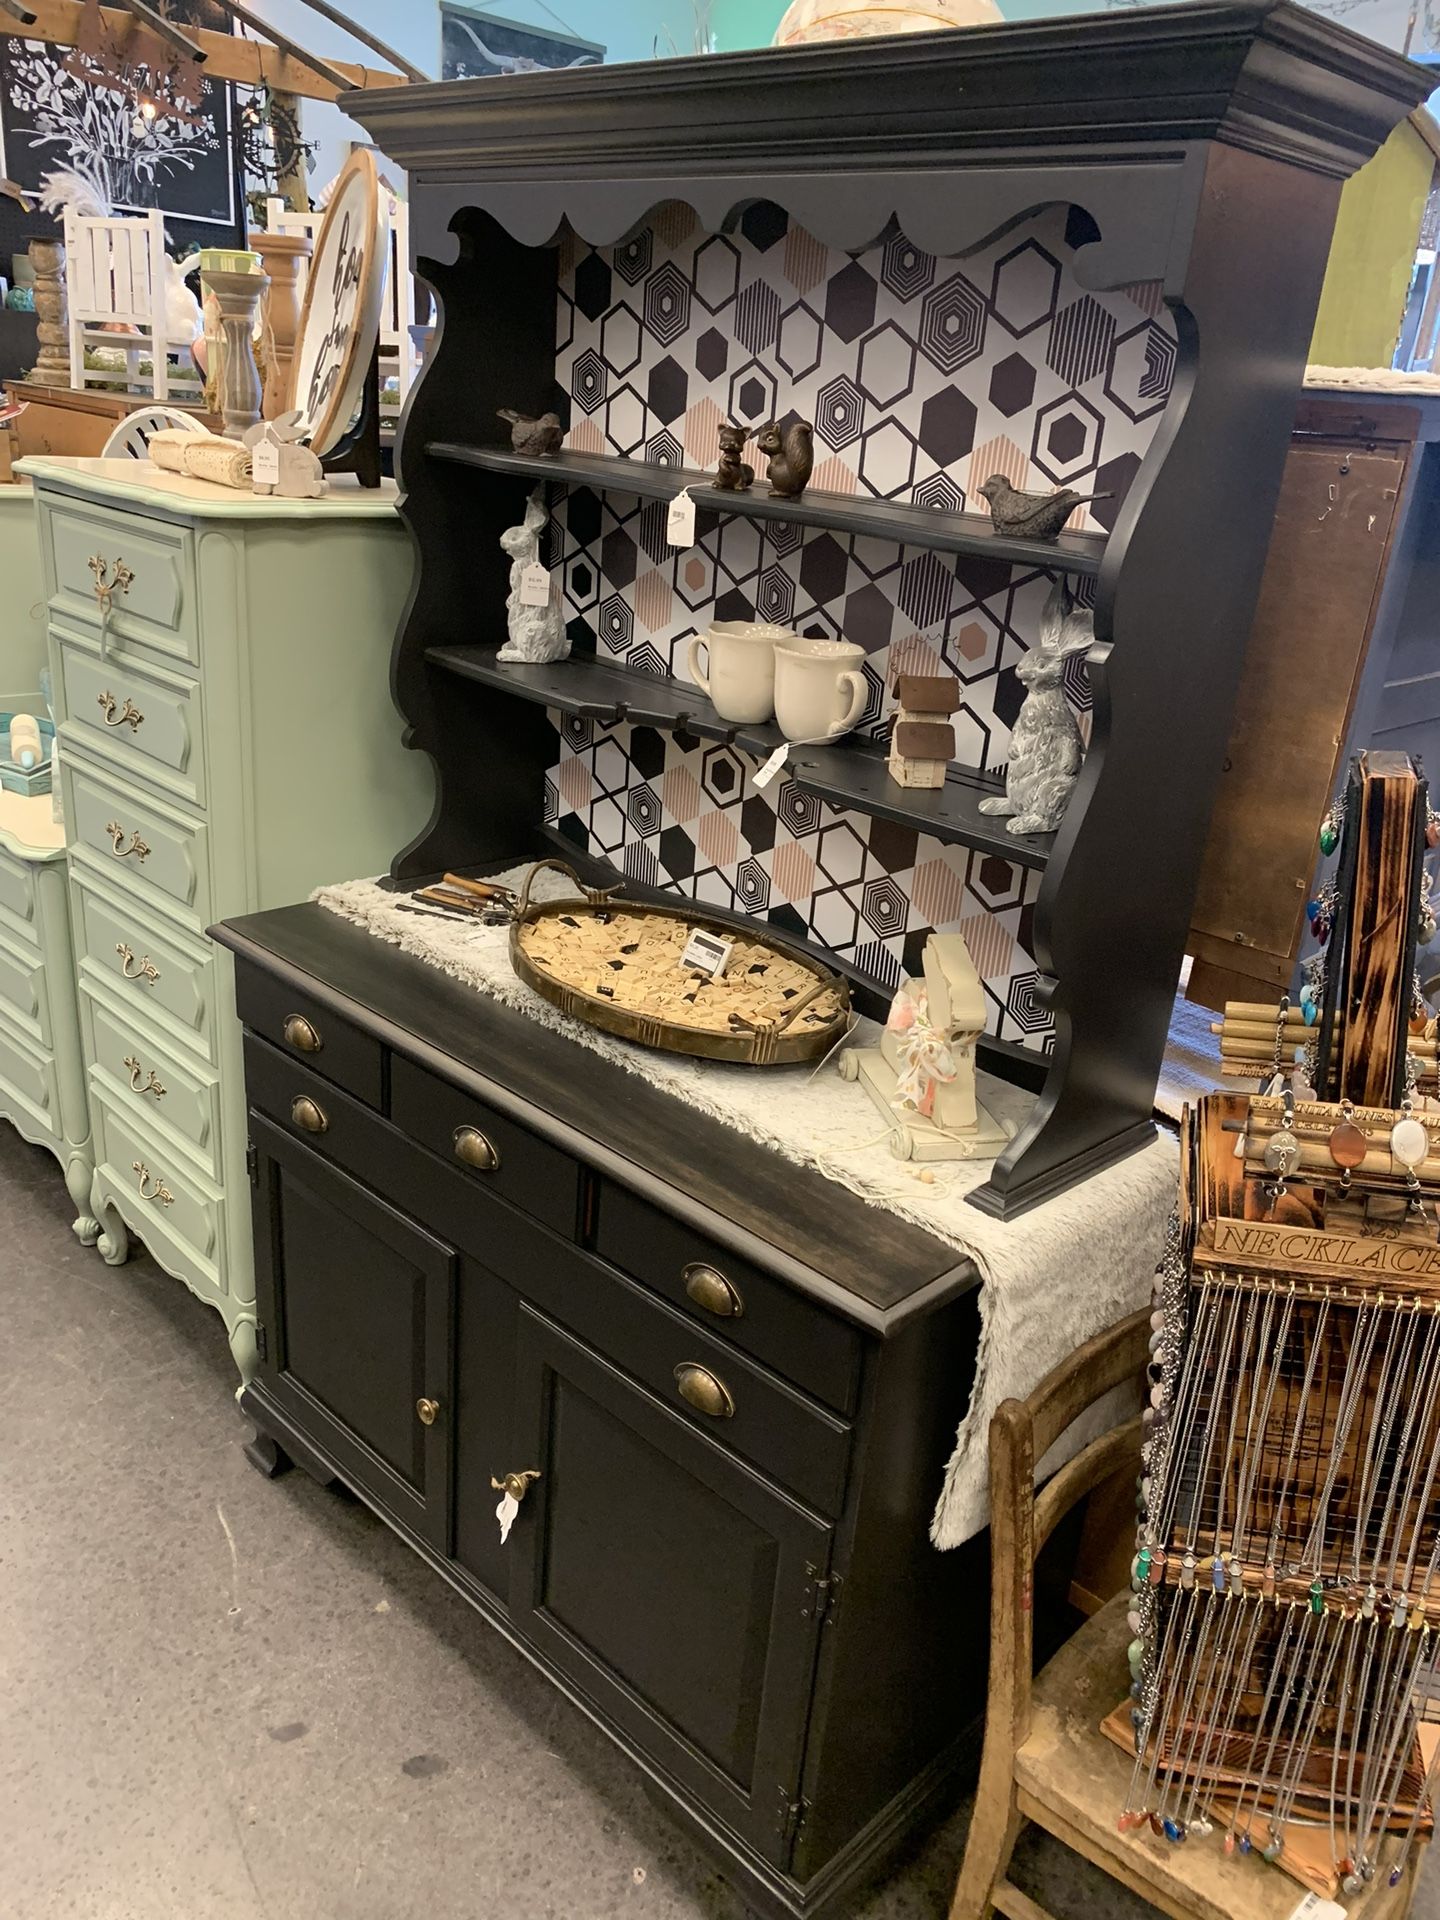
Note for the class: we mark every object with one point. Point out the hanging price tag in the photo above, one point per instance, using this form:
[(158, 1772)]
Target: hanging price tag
[(535, 586), (764, 775), (505, 1513), (265, 463), (680, 521)]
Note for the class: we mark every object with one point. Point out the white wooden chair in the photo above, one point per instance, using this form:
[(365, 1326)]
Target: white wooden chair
[(132, 434), (115, 273), (399, 356)]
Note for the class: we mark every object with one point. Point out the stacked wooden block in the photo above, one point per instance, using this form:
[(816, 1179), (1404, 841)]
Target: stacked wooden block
[(922, 739)]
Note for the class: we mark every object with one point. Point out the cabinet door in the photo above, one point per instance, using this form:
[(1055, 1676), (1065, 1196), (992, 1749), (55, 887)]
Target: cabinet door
[(667, 1580), (357, 1303)]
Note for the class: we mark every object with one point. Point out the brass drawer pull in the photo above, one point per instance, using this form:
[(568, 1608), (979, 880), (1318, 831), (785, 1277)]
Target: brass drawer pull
[(159, 1192), (145, 969), (475, 1150), (117, 833), (428, 1412), (517, 1485), (128, 716), (305, 1113), (709, 1288), (704, 1391), (111, 577), (151, 1084), (301, 1035)]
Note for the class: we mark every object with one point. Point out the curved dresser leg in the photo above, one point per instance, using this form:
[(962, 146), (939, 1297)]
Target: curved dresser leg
[(79, 1180), (113, 1246), (245, 1351)]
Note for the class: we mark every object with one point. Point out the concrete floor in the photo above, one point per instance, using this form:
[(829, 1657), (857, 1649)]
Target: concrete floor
[(223, 1698)]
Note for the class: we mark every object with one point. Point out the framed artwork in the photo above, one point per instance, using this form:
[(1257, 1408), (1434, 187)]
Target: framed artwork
[(474, 43), (53, 120)]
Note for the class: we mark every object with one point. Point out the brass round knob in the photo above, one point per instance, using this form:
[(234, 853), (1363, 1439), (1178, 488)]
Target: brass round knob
[(305, 1113), (704, 1391), (710, 1289), (428, 1411), (475, 1150), (301, 1035)]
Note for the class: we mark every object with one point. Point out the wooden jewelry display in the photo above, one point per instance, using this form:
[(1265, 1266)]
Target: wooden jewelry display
[(1287, 1616)]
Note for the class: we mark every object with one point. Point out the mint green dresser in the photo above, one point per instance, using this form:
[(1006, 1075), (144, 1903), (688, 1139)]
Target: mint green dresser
[(227, 742), (42, 1075)]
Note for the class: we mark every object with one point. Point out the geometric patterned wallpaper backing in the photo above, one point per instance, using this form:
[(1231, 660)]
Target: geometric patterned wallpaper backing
[(922, 377)]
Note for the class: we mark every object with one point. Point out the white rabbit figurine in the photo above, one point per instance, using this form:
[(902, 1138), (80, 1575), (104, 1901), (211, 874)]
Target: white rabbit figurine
[(537, 634), (1045, 747)]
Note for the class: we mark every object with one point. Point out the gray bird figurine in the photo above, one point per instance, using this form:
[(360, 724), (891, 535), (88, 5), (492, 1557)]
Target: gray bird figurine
[(1032, 516), (528, 435)]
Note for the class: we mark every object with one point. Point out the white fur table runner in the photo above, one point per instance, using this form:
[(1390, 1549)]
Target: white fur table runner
[(1051, 1279)]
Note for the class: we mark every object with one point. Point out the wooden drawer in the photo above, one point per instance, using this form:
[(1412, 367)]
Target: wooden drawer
[(526, 1170), (144, 1077), (17, 898), (141, 722), (138, 842), (138, 1171), (29, 1093), (24, 996), (302, 1028), (119, 943), (158, 608), (729, 1296)]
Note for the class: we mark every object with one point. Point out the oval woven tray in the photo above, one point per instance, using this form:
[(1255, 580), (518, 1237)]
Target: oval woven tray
[(617, 965)]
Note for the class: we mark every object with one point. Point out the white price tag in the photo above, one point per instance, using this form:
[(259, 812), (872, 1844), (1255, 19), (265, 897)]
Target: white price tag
[(535, 586), (1313, 1907), (706, 953), (265, 463), (680, 521), (505, 1513), (764, 775)]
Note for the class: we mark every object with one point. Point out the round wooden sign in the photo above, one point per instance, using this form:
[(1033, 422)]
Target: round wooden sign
[(340, 322)]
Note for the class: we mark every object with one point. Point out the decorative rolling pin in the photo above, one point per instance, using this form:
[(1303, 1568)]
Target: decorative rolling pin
[(25, 747)]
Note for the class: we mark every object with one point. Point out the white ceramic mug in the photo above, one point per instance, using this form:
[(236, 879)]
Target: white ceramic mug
[(811, 679), (740, 683)]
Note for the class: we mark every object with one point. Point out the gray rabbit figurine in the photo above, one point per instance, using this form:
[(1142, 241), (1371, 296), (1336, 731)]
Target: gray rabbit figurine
[(537, 634), (1045, 747)]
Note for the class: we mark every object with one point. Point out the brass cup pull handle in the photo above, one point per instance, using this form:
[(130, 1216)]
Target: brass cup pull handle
[(144, 968), (707, 1287), (704, 1391), (149, 1084), (111, 577), (128, 716), (305, 1113), (301, 1035), (476, 1150), (427, 1412), (158, 1191), (517, 1485), (137, 846)]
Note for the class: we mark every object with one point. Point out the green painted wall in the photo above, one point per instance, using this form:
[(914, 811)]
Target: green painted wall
[(1363, 299)]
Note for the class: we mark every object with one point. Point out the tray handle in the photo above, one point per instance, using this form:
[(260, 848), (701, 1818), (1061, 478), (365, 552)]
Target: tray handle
[(596, 896), (790, 1013)]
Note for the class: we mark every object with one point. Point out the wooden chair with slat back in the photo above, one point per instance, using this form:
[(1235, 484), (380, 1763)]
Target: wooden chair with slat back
[(1046, 1762)]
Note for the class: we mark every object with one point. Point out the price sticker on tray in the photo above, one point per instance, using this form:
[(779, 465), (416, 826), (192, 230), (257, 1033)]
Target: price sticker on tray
[(706, 953)]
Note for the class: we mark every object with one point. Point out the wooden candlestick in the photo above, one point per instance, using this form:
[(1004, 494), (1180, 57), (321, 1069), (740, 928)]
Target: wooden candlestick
[(238, 296), (52, 316), (281, 254)]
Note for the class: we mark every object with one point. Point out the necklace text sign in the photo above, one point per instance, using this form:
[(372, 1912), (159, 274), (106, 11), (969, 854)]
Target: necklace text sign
[(1250, 1245)]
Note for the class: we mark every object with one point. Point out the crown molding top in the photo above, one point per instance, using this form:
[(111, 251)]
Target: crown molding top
[(1266, 75)]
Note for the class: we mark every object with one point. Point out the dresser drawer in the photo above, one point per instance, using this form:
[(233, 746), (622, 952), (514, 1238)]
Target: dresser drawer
[(144, 1077), (138, 842), (17, 899), (119, 943), (497, 1153), (156, 608), (729, 1296), (302, 1028), (144, 723), (24, 996), (29, 1092), (165, 1200)]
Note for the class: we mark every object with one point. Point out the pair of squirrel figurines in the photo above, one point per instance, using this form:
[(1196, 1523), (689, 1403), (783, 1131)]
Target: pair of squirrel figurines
[(790, 451)]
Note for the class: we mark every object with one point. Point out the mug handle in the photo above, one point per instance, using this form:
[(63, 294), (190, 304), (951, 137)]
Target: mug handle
[(858, 696), (697, 640)]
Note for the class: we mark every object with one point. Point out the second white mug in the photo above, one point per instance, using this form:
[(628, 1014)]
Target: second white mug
[(819, 690)]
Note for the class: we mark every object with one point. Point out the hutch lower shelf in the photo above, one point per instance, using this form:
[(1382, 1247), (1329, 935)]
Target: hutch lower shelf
[(726, 1385)]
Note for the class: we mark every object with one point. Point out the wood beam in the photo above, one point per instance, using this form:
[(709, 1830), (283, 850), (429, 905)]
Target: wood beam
[(248, 63), (17, 11), (165, 30), (332, 75), (365, 37)]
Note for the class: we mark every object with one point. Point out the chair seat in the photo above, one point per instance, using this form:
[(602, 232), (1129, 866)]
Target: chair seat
[(1073, 1781)]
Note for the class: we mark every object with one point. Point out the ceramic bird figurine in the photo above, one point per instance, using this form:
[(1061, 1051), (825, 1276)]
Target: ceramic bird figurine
[(529, 435), (1032, 516), (791, 453)]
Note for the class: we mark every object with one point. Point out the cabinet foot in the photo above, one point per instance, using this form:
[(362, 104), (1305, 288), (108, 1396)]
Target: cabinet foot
[(267, 1456), (271, 1456)]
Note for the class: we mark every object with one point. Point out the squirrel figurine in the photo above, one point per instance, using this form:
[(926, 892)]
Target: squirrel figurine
[(791, 456), (733, 474)]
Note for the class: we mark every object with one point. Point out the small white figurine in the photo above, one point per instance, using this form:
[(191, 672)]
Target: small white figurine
[(537, 634), (301, 476), (922, 1075), (1045, 746)]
